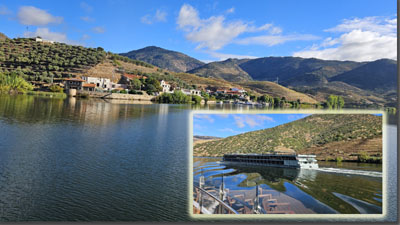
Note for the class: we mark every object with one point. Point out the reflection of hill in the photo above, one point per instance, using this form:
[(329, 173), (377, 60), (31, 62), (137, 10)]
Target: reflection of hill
[(272, 176), (34, 109)]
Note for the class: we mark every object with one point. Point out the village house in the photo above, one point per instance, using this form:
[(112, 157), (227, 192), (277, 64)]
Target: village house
[(88, 87), (39, 39), (165, 86), (191, 92), (73, 83), (100, 83)]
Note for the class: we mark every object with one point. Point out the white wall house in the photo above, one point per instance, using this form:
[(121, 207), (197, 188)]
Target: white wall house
[(101, 83), (165, 86), (39, 39), (191, 92)]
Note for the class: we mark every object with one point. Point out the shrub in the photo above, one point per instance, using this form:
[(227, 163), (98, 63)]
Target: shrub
[(56, 88)]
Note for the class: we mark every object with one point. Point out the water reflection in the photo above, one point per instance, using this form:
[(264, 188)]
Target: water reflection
[(35, 109), (320, 191)]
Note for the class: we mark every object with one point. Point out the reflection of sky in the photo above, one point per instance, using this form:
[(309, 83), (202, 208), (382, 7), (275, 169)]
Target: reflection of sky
[(224, 125)]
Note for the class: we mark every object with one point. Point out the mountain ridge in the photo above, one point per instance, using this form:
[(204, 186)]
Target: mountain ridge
[(163, 58)]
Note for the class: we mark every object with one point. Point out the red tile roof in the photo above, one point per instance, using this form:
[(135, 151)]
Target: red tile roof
[(89, 85)]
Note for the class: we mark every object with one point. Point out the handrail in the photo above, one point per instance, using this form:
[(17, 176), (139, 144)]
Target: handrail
[(219, 200)]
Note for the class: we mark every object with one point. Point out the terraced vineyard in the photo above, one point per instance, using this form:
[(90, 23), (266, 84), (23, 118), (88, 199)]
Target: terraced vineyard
[(318, 131)]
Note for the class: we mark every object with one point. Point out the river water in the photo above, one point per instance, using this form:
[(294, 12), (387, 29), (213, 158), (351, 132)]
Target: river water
[(92, 160)]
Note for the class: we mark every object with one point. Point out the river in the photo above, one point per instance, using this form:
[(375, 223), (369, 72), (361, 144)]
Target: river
[(93, 160)]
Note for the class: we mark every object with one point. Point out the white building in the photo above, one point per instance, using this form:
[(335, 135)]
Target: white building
[(191, 92), (39, 39), (101, 83), (165, 86)]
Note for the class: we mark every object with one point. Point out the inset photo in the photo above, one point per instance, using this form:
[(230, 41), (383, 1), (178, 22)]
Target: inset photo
[(285, 163)]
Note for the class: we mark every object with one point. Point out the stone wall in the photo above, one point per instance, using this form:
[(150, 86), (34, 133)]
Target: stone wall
[(94, 94)]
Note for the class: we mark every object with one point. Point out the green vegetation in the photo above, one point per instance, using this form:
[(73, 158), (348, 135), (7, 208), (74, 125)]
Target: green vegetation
[(56, 88), (176, 98), (37, 61), (12, 83), (314, 130), (365, 158), (334, 102)]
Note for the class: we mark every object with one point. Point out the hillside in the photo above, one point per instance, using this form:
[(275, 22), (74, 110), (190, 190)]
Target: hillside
[(318, 131), (228, 70), (202, 139), (276, 90), (3, 37), (40, 62), (166, 59), (291, 70), (378, 75)]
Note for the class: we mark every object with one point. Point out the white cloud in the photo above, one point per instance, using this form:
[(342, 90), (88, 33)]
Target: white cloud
[(296, 117), (251, 120), (4, 10), (215, 32), (271, 40), (98, 30), (223, 56), (85, 37), (364, 39), (159, 16), (204, 117), (46, 34), (231, 10), (230, 130), (86, 7), (212, 33), (87, 18), (375, 24), (29, 15)]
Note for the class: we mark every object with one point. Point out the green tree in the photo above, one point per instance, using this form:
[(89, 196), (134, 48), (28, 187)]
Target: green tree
[(136, 84)]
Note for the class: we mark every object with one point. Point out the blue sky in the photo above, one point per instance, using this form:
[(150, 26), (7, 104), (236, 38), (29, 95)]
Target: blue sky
[(224, 125), (360, 30)]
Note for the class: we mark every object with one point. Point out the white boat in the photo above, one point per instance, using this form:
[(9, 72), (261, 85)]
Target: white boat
[(276, 160)]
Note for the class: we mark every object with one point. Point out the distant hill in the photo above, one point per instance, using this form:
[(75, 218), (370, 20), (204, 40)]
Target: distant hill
[(228, 70), (276, 90), (315, 131), (378, 75), (3, 37), (202, 139), (295, 70), (166, 59)]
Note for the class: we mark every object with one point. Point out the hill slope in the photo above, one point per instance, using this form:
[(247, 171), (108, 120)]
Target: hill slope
[(276, 90), (376, 75), (3, 37), (313, 131), (228, 70), (166, 59), (294, 70)]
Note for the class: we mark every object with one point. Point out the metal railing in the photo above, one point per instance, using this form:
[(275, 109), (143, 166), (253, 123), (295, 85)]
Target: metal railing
[(207, 203)]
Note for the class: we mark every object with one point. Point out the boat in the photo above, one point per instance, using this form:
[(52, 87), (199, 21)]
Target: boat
[(275, 160)]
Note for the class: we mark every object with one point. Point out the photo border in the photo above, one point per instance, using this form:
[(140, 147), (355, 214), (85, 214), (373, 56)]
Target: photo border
[(292, 217)]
